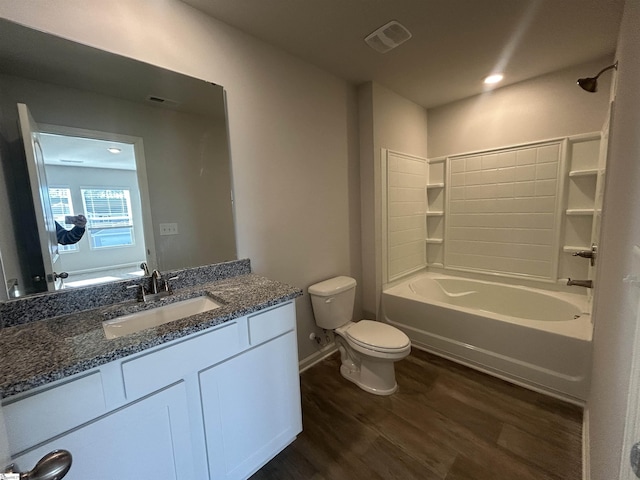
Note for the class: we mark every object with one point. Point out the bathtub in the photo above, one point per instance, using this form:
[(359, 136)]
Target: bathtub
[(535, 338)]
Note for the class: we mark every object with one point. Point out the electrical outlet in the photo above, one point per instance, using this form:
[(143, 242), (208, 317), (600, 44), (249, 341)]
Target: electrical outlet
[(168, 229)]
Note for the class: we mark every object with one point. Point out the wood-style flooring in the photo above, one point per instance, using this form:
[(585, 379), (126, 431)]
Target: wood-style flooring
[(446, 422)]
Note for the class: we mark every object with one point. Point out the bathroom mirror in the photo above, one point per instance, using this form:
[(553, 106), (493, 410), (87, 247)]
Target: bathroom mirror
[(178, 124)]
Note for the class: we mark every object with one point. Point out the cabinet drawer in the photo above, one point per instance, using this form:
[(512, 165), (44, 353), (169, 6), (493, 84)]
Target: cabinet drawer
[(266, 325), (152, 371), (38, 417)]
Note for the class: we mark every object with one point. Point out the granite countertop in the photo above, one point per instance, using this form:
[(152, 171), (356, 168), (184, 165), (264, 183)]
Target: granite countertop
[(43, 351)]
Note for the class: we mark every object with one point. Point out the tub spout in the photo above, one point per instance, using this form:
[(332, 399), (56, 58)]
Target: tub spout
[(580, 283)]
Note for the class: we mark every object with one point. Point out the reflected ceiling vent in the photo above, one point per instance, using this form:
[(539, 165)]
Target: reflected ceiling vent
[(388, 37), (165, 102)]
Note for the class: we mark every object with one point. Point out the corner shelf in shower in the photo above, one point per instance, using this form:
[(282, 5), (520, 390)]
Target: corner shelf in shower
[(435, 240), (435, 185), (584, 173), (435, 214), (580, 211)]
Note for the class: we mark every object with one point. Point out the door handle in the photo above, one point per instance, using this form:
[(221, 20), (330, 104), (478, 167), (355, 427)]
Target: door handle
[(55, 276), (53, 466), (634, 459)]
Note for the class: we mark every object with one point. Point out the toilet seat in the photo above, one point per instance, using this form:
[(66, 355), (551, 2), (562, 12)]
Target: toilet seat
[(377, 336)]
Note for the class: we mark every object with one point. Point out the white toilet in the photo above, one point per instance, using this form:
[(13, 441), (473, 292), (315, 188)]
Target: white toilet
[(367, 348)]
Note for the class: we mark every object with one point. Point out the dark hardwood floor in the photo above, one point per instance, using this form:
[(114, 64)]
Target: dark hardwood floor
[(445, 422)]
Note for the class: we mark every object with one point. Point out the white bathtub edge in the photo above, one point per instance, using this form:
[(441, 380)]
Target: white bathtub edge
[(580, 328), (499, 374)]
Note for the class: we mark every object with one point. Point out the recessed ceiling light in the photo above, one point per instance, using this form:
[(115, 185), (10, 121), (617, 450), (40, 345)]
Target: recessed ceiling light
[(114, 150), (494, 78)]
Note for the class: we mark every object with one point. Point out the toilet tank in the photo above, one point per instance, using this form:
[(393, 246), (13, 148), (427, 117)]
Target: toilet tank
[(333, 301)]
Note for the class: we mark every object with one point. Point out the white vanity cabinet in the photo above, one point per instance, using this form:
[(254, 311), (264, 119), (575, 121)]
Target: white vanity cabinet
[(149, 438), (251, 403), (218, 404)]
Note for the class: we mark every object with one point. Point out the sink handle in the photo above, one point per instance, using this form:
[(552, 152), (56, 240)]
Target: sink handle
[(167, 287), (141, 292)]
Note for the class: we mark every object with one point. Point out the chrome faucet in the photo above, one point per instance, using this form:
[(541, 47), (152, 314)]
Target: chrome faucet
[(580, 283), (159, 288), (156, 278)]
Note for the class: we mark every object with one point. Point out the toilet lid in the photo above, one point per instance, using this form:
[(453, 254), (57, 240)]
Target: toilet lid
[(377, 336)]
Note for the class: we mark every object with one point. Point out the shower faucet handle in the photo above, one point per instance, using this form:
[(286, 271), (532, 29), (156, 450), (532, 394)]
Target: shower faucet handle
[(590, 254)]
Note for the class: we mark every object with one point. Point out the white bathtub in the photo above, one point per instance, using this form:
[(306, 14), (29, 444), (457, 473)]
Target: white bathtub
[(535, 338)]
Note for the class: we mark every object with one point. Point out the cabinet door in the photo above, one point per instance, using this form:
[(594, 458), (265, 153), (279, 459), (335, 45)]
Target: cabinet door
[(148, 439), (251, 407)]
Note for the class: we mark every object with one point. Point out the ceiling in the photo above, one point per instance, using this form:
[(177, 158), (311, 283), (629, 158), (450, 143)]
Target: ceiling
[(29, 53), (455, 43), (69, 151)]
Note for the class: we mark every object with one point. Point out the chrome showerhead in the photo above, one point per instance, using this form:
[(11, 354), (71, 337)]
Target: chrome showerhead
[(590, 84)]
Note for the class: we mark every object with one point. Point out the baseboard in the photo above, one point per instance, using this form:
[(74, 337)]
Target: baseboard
[(586, 466), (317, 357)]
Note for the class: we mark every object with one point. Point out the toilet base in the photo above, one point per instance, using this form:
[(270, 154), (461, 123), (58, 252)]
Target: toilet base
[(371, 376)]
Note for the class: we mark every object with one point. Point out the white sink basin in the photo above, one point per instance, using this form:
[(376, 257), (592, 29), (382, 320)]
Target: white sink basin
[(135, 322)]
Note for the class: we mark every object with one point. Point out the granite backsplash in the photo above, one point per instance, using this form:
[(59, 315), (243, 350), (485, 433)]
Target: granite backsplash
[(48, 305)]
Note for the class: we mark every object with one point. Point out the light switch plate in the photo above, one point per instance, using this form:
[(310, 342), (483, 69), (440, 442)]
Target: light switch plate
[(168, 229)]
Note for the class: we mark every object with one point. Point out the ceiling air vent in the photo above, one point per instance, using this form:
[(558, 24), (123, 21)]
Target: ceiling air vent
[(388, 37), (162, 101)]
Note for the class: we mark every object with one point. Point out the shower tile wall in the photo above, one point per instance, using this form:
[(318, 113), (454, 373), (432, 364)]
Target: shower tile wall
[(501, 213), (406, 207)]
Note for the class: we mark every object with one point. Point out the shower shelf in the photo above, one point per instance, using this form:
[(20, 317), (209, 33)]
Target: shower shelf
[(435, 240), (435, 185), (583, 173), (435, 214), (580, 211)]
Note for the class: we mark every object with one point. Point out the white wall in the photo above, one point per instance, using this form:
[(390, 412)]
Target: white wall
[(293, 130), (615, 301), (546, 107), (389, 121)]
